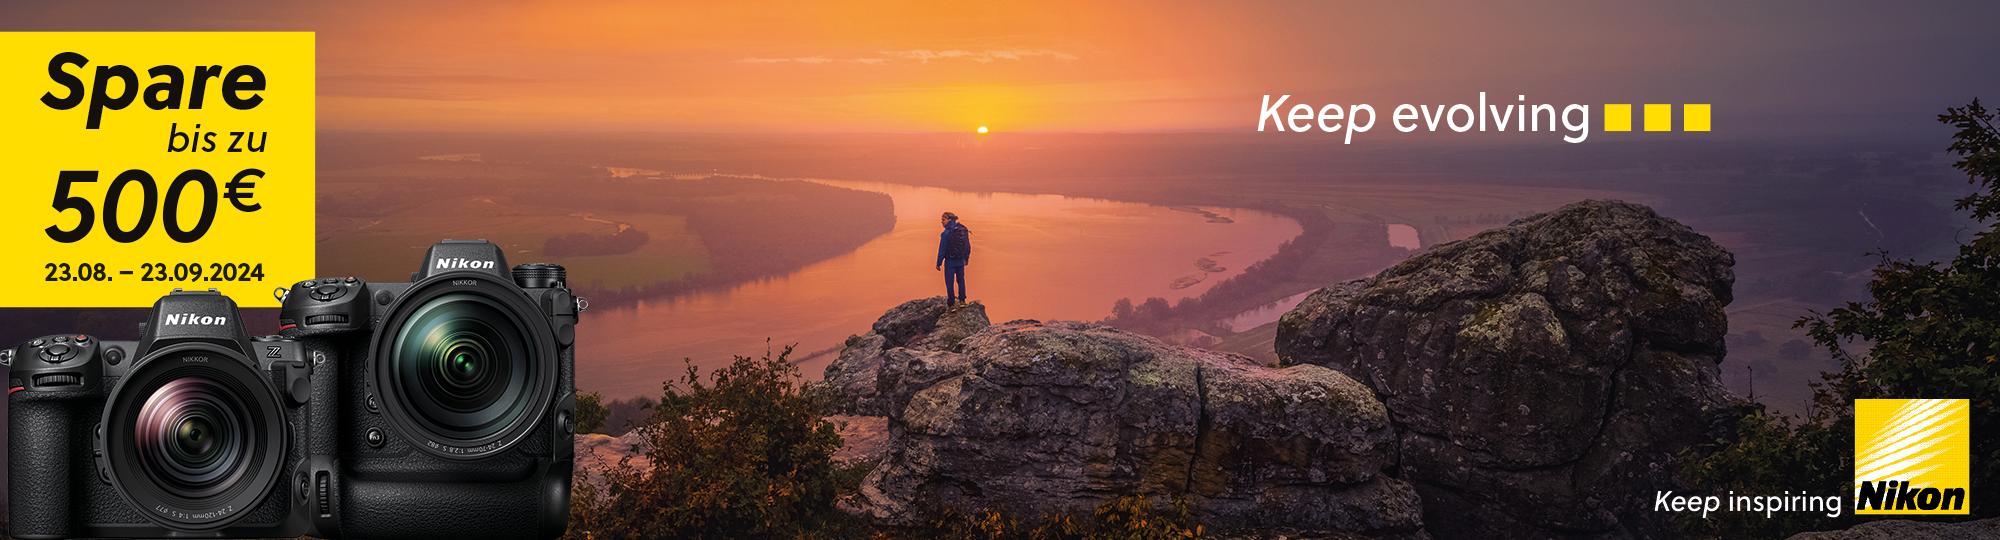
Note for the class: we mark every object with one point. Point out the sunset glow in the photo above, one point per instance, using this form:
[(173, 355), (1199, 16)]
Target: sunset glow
[(1118, 67), (982, 130)]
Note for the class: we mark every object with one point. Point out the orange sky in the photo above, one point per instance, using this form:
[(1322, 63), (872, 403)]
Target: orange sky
[(535, 65), (810, 67)]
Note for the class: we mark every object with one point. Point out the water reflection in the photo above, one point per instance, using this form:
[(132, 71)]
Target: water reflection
[(1404, 236), (1034, 256)]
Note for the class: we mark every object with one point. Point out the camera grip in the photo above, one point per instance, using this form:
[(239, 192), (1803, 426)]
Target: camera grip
[(323, 436), (375, 509), (40, 445)]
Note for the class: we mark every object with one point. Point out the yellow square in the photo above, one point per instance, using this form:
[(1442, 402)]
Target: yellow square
[(1911, 456), (1659, 117), (1694, 117), (1618, 117)]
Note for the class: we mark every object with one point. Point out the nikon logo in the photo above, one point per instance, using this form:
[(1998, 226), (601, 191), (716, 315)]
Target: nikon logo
[(461, 263), (176, 319), (1911, 456)]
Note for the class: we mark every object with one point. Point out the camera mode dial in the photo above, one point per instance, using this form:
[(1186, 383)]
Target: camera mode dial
[(325, 304)]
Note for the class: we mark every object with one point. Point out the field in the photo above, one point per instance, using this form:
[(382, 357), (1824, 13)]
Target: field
[(1802, 217), (624, 237), (387, 241), (390, 247)]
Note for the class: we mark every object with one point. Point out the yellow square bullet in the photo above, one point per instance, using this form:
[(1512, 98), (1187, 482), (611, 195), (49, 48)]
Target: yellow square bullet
[(1618, 117), (1659, 117), (1694, 117)]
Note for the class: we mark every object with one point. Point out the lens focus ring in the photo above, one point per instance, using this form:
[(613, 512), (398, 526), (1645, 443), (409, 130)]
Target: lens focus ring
[(463, 371), (194, 437), (190, 436)]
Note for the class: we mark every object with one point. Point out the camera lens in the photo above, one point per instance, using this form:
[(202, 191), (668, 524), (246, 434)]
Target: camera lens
[(195, 438), (195, 435), (190, 436), (464, 367)]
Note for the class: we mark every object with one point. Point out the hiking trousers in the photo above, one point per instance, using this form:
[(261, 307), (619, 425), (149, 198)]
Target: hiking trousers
[(954, 282)]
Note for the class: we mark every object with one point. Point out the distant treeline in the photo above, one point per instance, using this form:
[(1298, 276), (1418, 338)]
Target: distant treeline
[(1248, 290), (589, 244), (753, 229)]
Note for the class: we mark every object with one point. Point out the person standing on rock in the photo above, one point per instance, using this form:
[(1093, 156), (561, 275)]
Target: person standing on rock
[(954, 250)]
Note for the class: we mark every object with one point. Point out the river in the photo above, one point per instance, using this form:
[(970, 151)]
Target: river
[(1400, 235), (1034, 256)]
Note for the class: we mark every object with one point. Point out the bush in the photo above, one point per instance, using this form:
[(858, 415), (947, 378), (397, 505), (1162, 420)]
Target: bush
[(1774, 455), (742, 453), (1132, 517), (621, 415), (1930, 329), (590, 413), (747, 453)]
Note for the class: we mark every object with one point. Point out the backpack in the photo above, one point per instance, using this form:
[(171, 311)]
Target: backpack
[(957, 242)]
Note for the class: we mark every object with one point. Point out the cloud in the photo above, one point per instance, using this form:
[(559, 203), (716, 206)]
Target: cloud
[(408, 83), (792, 60), (921, 56), (981, 56)]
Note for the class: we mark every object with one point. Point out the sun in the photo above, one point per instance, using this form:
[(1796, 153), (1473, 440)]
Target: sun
[(982, 130)]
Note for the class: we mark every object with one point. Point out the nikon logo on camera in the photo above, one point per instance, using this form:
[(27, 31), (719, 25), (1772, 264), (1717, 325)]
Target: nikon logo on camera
[(1911, 455), (178, 319), (461, 263)]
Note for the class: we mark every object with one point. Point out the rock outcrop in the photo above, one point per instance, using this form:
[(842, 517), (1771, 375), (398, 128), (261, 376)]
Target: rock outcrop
[(863, 439), (1903, 529), (1543, 378), (926, 324), (1035, 418)]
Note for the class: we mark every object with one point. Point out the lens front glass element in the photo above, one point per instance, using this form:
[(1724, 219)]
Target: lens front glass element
[(194, 436), (191, 436), (463, 366)]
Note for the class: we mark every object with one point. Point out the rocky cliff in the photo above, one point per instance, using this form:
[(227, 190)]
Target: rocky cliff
[(1543, 378), (918, 325), (1903, 529), (1538, 380), (1036, 418)]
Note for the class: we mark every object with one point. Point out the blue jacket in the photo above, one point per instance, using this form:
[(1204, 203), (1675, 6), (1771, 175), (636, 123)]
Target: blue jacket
[(944, 241)]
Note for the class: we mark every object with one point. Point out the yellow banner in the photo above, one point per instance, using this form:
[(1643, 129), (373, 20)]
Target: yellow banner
[(141, 162)]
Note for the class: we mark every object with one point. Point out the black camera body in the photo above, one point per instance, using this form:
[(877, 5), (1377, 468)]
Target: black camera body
[(456, 395), (196, 429)]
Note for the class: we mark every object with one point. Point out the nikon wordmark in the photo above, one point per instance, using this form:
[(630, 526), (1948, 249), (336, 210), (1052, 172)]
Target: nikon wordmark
[(193, 319), (1911, 456), (461, 263)]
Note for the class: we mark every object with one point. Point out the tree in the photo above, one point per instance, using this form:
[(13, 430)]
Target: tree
[(590, 413), (1154, 309), (1930, 330), (1122, 309)]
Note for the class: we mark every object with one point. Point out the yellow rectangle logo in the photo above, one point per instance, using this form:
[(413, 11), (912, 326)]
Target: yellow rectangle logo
[(1694, 117), (1618, 117), (142, 162), (1659, 117), (1911, 456)]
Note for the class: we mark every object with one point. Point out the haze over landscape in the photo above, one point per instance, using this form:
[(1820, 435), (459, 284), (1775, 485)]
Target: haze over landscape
[(654, 148)]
